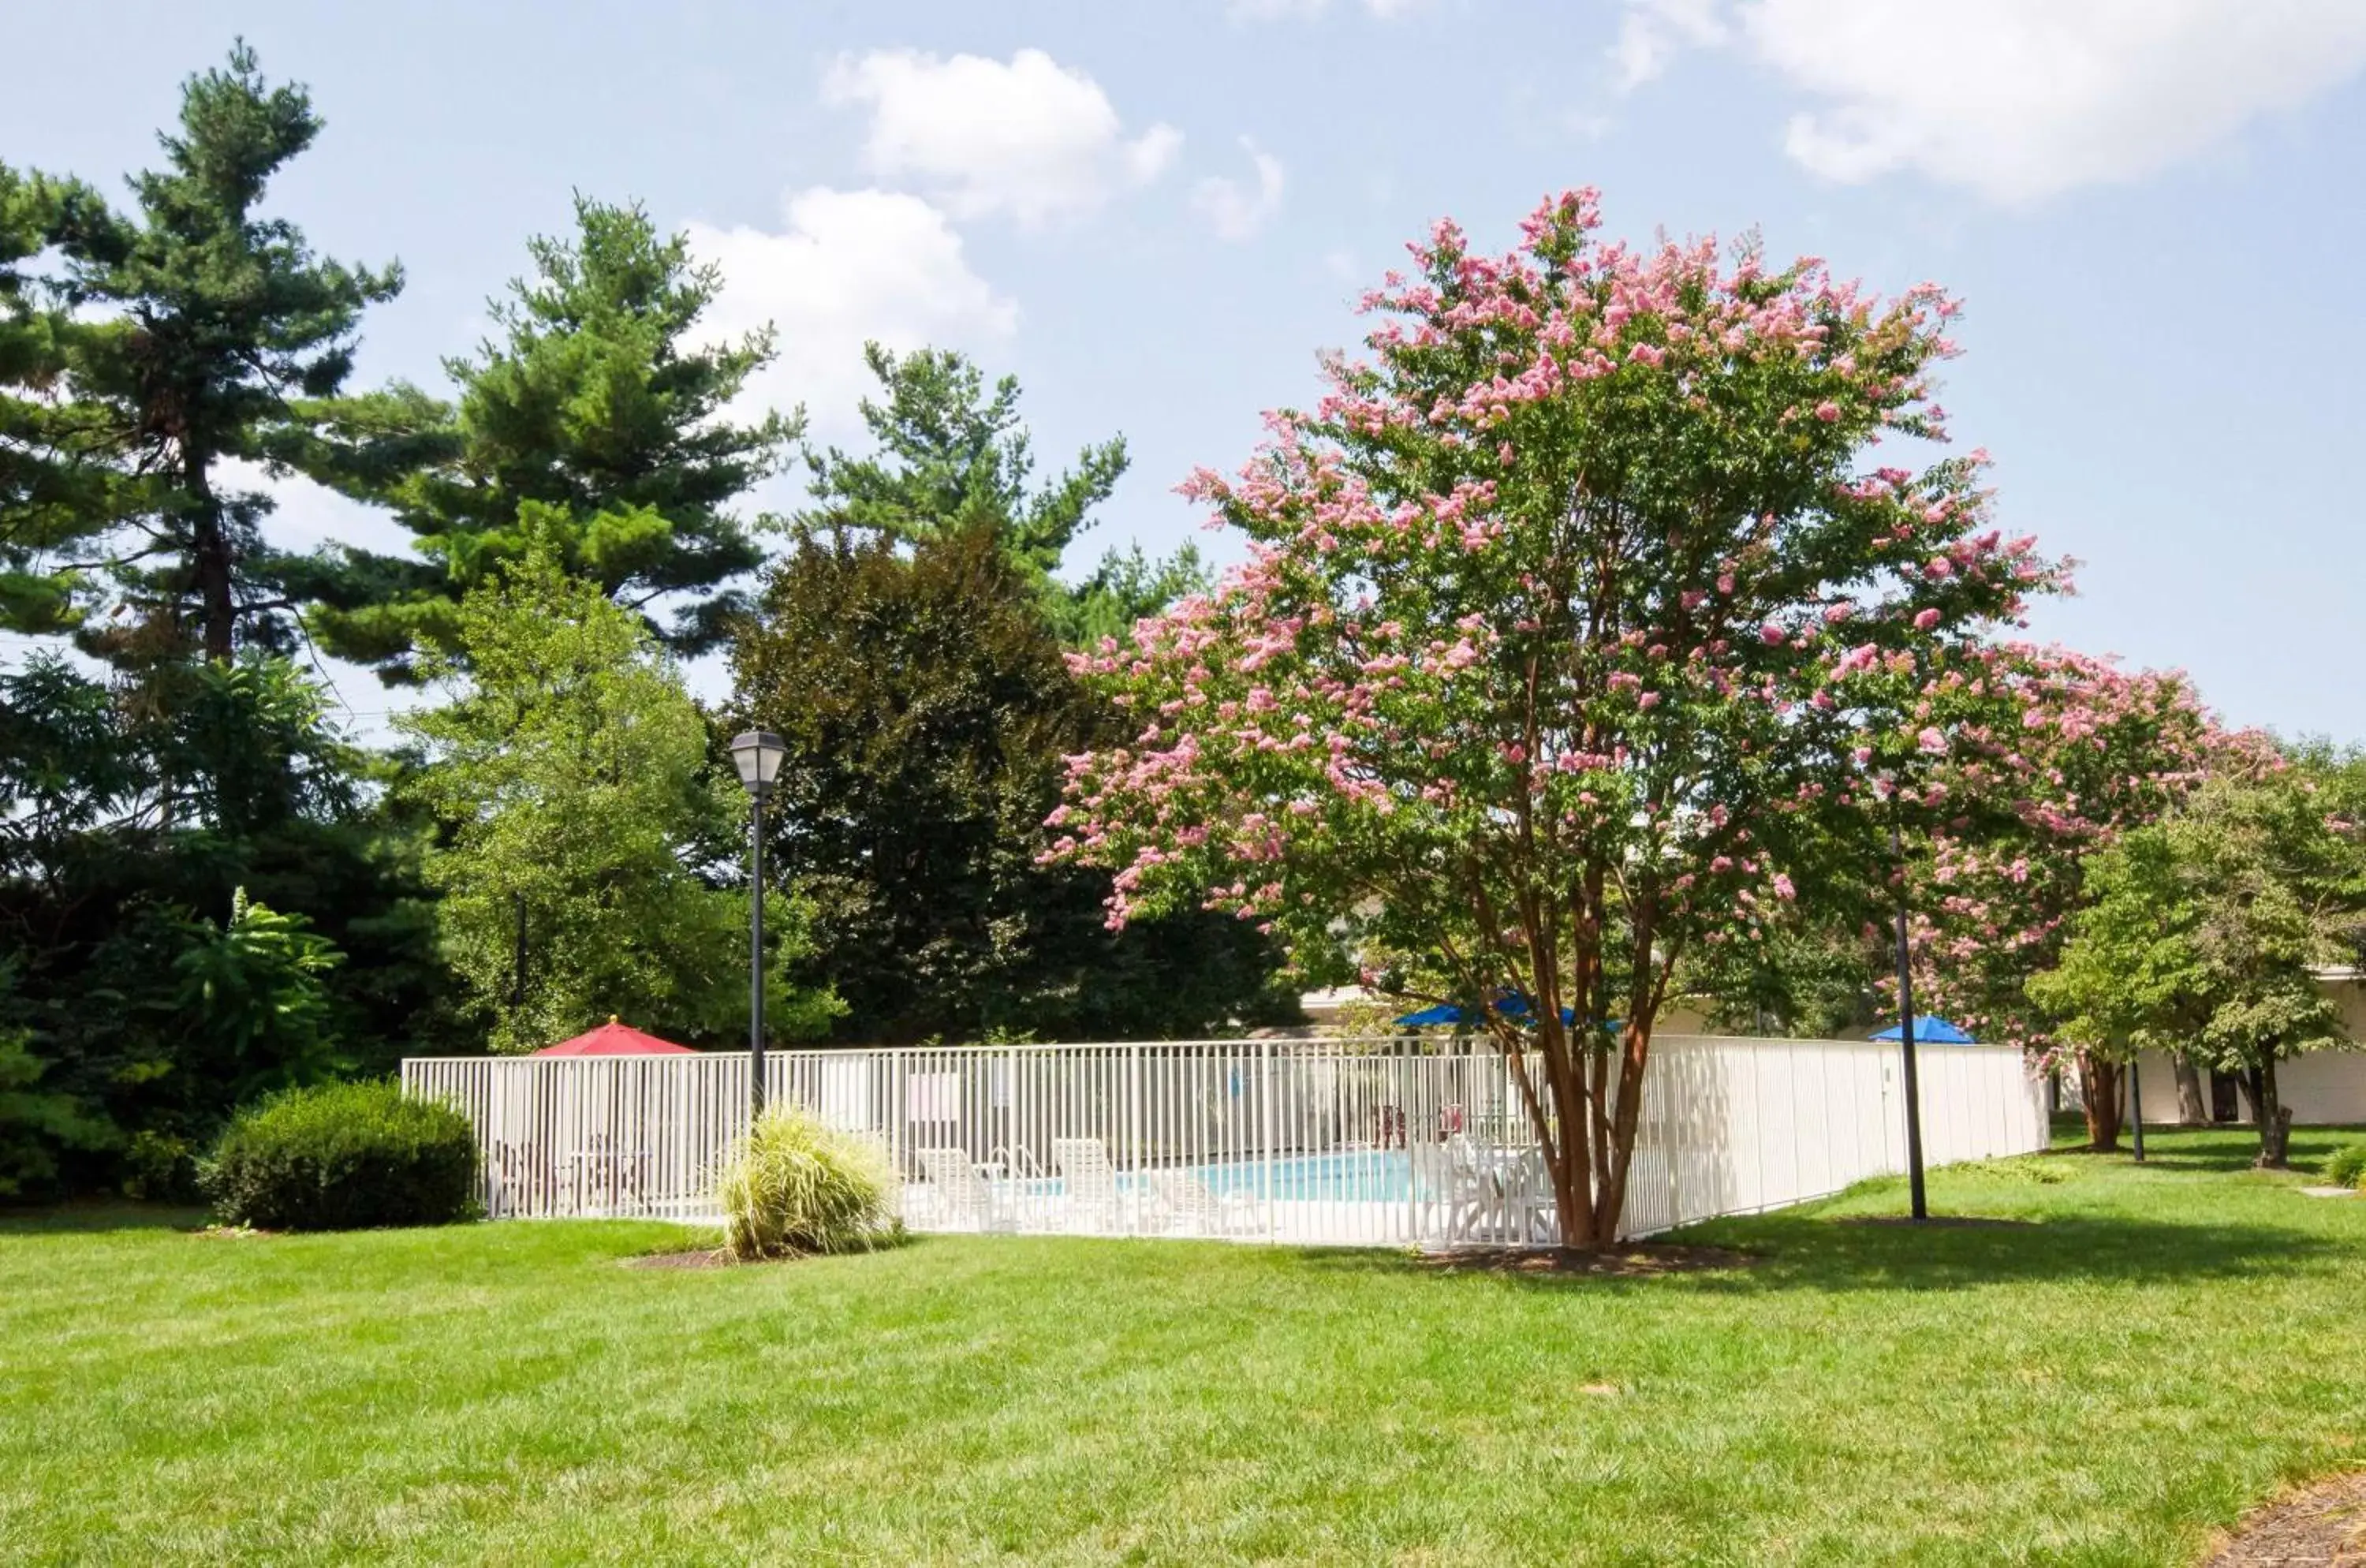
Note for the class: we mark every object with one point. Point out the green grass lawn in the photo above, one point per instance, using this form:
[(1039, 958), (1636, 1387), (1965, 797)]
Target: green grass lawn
[(2165, 1347)]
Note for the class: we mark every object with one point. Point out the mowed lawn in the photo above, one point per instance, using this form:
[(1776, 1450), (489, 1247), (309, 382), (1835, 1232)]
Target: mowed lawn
[(2161, 1349)]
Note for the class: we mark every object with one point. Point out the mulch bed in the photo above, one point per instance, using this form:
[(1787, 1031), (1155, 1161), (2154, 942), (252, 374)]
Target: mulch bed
[(232, 1233), (2322, 1527), (1625, 1263)]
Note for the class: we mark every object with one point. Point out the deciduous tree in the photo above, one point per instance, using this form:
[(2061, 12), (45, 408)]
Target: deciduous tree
[(925, 709), (2056, 757), (1565, 617), (569, 769), (2201, 932)]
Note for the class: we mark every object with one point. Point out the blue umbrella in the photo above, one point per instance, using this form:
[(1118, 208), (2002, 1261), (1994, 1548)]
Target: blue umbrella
[(1930, 1031), (1510, 1007)]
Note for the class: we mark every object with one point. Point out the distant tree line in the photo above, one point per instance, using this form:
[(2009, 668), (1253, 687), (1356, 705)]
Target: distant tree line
[(208, 889)]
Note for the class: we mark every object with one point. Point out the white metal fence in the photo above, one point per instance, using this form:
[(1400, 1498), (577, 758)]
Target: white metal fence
[(1337, 1142)]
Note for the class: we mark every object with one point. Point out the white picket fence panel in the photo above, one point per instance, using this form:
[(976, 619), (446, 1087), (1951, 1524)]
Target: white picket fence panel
[(1335, 1142)]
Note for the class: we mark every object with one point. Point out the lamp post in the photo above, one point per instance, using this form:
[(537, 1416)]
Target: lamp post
[(1921, 1209), (757, 754)]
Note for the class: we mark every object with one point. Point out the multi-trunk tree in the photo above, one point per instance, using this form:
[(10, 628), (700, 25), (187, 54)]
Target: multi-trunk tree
[(1571, 639)]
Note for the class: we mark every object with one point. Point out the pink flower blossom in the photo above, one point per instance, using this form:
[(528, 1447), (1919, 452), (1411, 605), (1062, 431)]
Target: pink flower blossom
[(1828, 411), (1925, 619)]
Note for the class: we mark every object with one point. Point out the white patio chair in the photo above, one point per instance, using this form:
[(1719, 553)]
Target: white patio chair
[(1187, 1203), (1452, 1187), (964, 1194), (1089, 1184)]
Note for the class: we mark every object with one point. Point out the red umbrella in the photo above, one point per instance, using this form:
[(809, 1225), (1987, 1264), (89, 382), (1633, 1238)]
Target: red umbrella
[(615, 1039)]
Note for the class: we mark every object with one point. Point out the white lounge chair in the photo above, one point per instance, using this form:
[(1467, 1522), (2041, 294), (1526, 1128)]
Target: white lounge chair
[(964, 1194), (1089, 1184), (1187, 1203)]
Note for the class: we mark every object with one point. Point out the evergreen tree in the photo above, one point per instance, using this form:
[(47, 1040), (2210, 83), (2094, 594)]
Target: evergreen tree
[(952, 456), (54, 501), (231, 333), (591, 406)]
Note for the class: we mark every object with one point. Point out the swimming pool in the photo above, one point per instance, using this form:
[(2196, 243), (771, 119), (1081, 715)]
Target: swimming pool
[(1358, 1175)]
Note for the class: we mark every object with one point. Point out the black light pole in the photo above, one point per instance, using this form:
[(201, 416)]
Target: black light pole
[(1906, 1038), (2136, 1103), (757, 754)]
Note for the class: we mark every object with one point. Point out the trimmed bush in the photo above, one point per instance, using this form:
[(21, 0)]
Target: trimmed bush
[(793, 1186), (343, 1157), (2347, 1165)]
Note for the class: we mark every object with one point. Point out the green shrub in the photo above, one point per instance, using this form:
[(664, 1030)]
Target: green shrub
[(343, 1157), (2347, 1165), (160, 1168), (793, 1186)]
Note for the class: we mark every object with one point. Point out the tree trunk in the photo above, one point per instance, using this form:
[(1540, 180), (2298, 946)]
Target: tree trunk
[(211, 563), (2099, 1089), (1610, 1201), (2275, 1118), (2191, 1109)]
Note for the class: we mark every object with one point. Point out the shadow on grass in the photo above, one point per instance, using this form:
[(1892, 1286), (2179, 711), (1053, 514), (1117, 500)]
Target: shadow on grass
[(99, 1215), (1808, 1252)]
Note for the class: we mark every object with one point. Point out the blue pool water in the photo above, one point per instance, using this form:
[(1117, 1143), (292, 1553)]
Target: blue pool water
[(1364, 1175)]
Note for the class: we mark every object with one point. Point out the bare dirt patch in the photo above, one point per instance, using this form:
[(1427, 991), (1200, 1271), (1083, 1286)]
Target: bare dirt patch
[(2322, 1525), (715, 1258), (1619, 1263)]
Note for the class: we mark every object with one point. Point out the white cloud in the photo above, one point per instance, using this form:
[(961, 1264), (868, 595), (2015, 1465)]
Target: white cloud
[(1654, 31), (846, 266), (1030, 138), (1233, 210), (2017, 100)]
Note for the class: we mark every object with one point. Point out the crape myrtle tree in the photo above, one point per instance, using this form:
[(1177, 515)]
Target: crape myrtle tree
[(1564, 617), (596, 403), (2056, 756)]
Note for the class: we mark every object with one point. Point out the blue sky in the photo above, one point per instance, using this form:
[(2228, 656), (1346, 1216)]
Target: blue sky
[(1155, 215)]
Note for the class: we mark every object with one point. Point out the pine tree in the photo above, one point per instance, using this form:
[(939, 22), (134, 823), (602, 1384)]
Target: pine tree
[(950, 455), (229, 335), (593, 406)]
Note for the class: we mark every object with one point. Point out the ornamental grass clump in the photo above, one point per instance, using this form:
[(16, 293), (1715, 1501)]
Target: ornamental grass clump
[(2347, 1165), (343, 1157), (793, 1186)]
